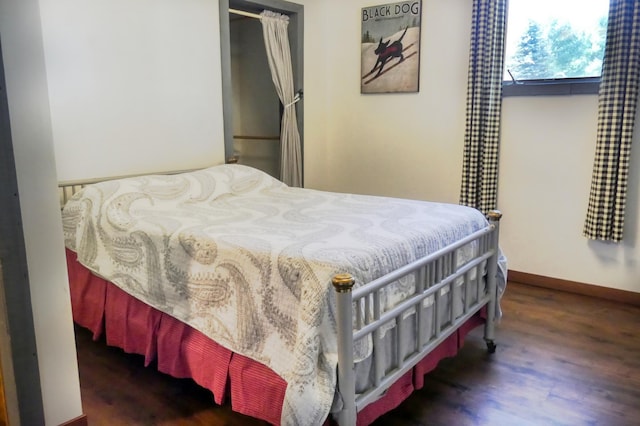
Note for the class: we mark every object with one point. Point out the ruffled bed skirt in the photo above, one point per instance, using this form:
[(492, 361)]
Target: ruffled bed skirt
[(184, 352)]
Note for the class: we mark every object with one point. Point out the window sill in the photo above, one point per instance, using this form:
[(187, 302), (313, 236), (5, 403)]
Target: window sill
[(559, 87)]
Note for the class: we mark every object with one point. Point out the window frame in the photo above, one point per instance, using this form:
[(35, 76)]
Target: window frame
[(560, 86), (552, 87)]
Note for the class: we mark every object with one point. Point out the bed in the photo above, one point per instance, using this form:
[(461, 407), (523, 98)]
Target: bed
[(300, 306)]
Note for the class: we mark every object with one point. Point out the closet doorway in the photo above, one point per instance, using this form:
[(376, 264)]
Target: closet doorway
[(252, 110)]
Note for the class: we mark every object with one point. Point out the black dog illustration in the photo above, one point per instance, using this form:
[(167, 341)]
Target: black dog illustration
[(386, 52)]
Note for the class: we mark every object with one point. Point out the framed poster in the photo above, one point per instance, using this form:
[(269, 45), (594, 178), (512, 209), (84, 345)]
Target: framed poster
[(391, 47)]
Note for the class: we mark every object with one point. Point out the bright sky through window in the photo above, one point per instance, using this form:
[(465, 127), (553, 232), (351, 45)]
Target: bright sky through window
[(550, 39)]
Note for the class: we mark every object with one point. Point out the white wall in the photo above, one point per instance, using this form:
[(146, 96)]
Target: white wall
[(410, 145), (318, 36), (406, 145), (134, 85), (35, 168), (546, 163)]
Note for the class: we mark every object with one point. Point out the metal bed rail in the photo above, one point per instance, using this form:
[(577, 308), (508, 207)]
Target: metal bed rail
[(436, 278)]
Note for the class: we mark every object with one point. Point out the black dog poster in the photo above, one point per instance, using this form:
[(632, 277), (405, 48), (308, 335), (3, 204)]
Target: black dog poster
[(391, 47)]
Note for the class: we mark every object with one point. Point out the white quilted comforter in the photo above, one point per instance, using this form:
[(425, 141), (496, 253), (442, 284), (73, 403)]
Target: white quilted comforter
[(248, 261)]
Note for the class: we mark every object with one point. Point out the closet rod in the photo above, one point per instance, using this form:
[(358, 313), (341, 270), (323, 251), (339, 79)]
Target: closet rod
[(243, 13)]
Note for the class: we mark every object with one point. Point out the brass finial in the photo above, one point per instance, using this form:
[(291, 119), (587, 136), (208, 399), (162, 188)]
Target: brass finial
[(494, 215), (343, 283)]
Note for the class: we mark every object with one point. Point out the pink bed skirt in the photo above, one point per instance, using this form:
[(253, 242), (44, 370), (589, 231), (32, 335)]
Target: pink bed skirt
[(184, 352)]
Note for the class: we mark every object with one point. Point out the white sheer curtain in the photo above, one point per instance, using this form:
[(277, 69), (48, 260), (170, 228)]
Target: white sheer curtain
[(276, 40)]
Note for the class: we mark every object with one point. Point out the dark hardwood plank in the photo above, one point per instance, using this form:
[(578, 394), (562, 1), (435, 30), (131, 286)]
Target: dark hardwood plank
[(562, 359)]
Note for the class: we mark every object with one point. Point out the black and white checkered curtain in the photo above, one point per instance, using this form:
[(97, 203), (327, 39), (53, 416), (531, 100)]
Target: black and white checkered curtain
[(616, 112), (484, 100)]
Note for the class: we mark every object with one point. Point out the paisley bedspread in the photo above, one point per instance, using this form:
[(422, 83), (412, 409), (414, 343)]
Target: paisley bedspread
[(248, 261)]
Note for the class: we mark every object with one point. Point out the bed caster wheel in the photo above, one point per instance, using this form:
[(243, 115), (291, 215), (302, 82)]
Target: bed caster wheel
[(491, 346)]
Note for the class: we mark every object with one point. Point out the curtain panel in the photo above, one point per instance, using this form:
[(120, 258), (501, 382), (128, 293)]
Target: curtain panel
[(617, 105), (479, 187), (276, 40)]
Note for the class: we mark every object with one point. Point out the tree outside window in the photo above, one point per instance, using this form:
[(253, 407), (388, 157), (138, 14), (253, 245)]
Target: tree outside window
[(555, 46)]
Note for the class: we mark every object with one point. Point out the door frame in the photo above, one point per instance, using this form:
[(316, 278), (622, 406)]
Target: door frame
[(20, 374), (296, 41)]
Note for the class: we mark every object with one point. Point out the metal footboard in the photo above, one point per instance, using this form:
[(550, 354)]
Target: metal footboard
[(360, 316)]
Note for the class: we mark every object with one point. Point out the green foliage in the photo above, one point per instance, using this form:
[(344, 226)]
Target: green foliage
[(558, 51), (571, 51), (532, 59)]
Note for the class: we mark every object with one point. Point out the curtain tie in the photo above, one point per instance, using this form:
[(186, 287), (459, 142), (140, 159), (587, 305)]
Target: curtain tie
[(296, 99)]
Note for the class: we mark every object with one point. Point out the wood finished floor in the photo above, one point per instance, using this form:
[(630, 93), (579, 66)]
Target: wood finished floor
[(562, 359)]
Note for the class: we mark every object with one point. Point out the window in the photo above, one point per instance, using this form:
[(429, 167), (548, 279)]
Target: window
[(554, 46)]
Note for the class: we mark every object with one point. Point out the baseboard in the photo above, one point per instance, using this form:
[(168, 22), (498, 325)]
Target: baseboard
[(78, 421), (607, 293)]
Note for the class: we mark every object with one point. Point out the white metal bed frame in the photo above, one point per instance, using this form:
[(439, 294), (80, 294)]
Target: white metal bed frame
[(433, 273)]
